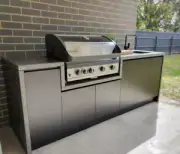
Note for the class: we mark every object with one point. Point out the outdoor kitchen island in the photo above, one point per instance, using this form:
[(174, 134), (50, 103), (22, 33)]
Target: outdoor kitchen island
[(43, 111)]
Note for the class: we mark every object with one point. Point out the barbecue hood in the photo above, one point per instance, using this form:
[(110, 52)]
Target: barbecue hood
[(80, 47)]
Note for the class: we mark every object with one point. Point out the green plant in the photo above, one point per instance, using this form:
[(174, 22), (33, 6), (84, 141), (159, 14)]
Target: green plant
[(154, 16), (112, 37)]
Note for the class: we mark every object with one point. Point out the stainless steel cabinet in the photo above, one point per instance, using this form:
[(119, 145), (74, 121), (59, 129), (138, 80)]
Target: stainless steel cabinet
[(141, 81), (107, 99), (78, 108), (43, 95)]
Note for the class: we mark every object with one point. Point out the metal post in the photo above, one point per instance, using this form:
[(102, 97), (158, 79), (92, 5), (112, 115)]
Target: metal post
[(155, 48), (136, 42), (171, 45)]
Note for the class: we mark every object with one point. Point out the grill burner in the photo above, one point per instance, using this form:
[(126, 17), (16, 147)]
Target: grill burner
[(85, 57)]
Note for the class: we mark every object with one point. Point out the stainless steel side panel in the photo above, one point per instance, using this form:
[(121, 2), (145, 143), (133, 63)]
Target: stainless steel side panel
[(141, 80), (43, 96), (14, 80), (78, 108), (107, 98)]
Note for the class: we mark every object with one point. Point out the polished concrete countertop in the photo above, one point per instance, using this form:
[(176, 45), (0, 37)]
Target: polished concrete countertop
[(44, 63), (115, 136), (142, 54), (33, 63)]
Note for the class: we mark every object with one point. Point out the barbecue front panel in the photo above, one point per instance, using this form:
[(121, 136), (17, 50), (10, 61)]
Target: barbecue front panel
[(107, 99), (78, 108), (92, 72)]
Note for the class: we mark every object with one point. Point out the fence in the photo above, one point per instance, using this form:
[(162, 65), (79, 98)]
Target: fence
[(158, 41)]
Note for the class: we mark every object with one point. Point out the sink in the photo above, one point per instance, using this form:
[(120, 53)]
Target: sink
[(141, 52)]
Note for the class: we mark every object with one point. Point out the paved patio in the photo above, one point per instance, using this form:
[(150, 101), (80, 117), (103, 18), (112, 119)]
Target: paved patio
[(118, 135), (167, 130), (10, 144)]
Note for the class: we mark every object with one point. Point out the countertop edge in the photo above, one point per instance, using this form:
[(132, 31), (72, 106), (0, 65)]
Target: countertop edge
[(55, 64), (144, 55), (36, 66), (30, 67)]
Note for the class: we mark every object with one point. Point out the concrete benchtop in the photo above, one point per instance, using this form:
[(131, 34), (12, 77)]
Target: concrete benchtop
[(115, 136), (141, 54), (44, 63)]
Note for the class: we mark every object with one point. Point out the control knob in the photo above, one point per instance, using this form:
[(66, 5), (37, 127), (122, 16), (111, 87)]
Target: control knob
[(77, 72), (102, 68), (84, 71), (112, 67), (90, 70)]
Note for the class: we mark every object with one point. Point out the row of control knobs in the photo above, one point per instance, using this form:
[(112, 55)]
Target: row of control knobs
[(84, 71), (91, 70)]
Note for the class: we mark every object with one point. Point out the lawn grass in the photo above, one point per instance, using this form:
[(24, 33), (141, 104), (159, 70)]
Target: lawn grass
[(170, 86)]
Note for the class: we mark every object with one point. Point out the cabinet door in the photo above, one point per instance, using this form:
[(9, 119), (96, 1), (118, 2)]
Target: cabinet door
[(43, 95), (141, 81), (78, 108), (107, 99)]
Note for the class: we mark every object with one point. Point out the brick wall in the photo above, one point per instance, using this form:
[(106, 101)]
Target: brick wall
[(23, 24)]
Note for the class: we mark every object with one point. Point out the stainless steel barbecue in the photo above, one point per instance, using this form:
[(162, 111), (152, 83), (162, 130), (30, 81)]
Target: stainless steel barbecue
[(86, 57)]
